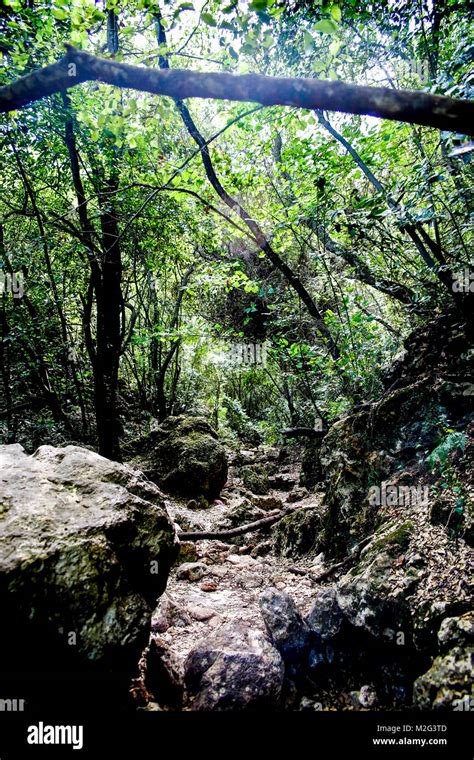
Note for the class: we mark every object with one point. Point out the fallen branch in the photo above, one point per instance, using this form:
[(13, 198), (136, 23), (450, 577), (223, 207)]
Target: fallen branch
[(399, 105), (233, 532)]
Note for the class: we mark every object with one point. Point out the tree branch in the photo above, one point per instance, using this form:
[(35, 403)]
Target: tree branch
[(399, 105), (249, 528)]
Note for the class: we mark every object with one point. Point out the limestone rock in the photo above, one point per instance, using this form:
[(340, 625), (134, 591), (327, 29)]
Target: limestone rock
[(168, 614), (184, 456), (255, 478), (86, 545), (326, 617), (235, 669), (297, 533), (285, 625), (192, 571), (448, 683)]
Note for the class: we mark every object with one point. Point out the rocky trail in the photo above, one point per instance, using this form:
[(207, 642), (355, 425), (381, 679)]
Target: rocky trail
[(217, 585), (225, 602)]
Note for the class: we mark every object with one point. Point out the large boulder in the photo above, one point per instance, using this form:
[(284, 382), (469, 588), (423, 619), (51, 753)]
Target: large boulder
[(325, 617), (86, 545), (285, 626), (235, 669), (242, 513), (184, 456)]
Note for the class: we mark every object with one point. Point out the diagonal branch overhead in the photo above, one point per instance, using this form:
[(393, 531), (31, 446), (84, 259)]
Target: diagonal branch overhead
[(255, 229), (399, 105)]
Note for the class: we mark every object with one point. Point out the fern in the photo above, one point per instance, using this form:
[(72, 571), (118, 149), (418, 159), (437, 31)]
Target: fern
[(439, 455)]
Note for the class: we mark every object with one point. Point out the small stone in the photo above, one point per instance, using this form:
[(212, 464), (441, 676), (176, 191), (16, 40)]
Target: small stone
[(208, 586), (457, 631), (416, 560), (187, 552), (267, 503), (192, 571), (368, 696), (219, 572), (168, 614), (248, 580), (282, 482), (199, 503), (262, 549), (241, 560), (298, 494), (309, 705), (201, 614)]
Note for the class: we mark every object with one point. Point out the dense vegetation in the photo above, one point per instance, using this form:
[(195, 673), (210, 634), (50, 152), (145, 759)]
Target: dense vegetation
[(151, 236)]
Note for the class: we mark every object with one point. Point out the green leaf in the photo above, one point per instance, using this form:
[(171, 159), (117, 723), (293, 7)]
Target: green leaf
[(319, 66), (59, 14), (335, 13), (208, 19), (308, 42), (326, 26), (258, 5), (230, 27), (233, 53)]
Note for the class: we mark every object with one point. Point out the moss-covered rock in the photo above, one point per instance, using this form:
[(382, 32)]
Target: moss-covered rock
[(396, 431), (298, 533), (184, 456), (241, 514), (255, 478), (448, 683), (395, 541)]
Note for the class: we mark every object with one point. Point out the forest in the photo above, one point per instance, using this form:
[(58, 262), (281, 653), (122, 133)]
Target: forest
[(236, 354)]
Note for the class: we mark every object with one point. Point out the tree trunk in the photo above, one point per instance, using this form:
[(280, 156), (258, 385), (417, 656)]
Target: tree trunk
[(109, 303)]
